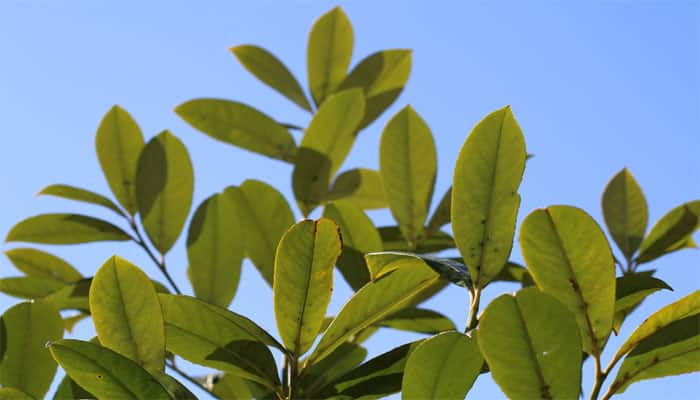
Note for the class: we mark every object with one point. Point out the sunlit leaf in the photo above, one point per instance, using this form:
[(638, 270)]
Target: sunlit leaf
[(126, 313), (240, 125), (513, 272), (69, 390), (41, 264), (78, 194), (672, 232), (8, 393), (441, 215), (328, 53), (65, 229), (442, 367), (393, 240), (119, 143), (26, 365), (408, 164), (229, 386), (271, 71), (72, 297), (532, 345), (304, 281), (29, 287), (625, 211), (215, 249), (419, 320), (362, 186), (69, 323), (164, 186), (175, 389), (485, 197), (105, 373)]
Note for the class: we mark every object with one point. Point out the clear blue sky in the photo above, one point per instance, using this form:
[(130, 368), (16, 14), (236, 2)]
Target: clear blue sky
[(596, 86)]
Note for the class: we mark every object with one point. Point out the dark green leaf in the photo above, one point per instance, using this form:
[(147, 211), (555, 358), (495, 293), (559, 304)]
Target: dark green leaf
[(240, 125), (625, 211), (105, 373), (394, 241), (41, 264), (359, 237), (119, 142), (339, 362), (304, 281), (408, 164), (485, 197), (630, 291), (65, 229), (271, 71), (328, 53), (672, 232), (26, 365), (126, 313), (532, 345), (215, 249), (326, 143), (442, 367), (384, 262), (29, 287), (419, 320), (175, 389), (164, 186), (78, 194), (361, 186), (69, 390)]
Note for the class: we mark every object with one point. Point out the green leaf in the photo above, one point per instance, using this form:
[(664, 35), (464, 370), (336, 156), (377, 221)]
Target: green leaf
[(625, 211), (119, 142), (271, 71), (359, 237), (29, 287), (346, 357), (485, 197), (240, 125), (26, 365), (442, 367), (672, 232), (69, 390), (382, 76), (69, 323), (8, 393), (419, 320), (164, 186), (175, 389), (532, 346), (209, 335), (215, 249), (230, 386), (65, 229), (74, 296), (569, 258), (127, 315), (41, 264), (328, 53), (361, 186), (394, 241), (408, 164), (667, 343), (78, 194), (326, 143), (513, 272), (264, 216), (384, 262), (375, 301), (630, 291), (105, 373), (304, 281), (441, 215)]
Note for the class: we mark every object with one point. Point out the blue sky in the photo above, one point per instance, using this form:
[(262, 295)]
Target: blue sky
[(596, 86)]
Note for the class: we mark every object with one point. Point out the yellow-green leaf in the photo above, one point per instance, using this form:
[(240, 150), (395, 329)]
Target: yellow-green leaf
[(65, 229), (29, 287), (230, 386), (328, 53), (215, 248), (418, 320), (408, 164), (78, 194), (164, 186), (625, 211), (105, 373), (442, 367), (569, 258), (630, 291), (532, 346), (382, 76), (41, 264), (304, 281), (271, 71), (485, 198), (341, 361), (394, 241), (240, 125), (361, 186), (8, 393), (672, 232), (25, 329), (359, 237), (326, 143), (441, 215), (127, 315), (119, 143), (69, 390)]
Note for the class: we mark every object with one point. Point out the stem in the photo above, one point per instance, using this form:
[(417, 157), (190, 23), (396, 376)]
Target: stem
[(190, 379), (472, 320), (159, 263), (292, 366), (599, 378)]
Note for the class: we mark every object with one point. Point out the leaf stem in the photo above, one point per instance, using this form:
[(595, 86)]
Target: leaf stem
[(472, 320), (600, 376), (190, 379), (160, 263)]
